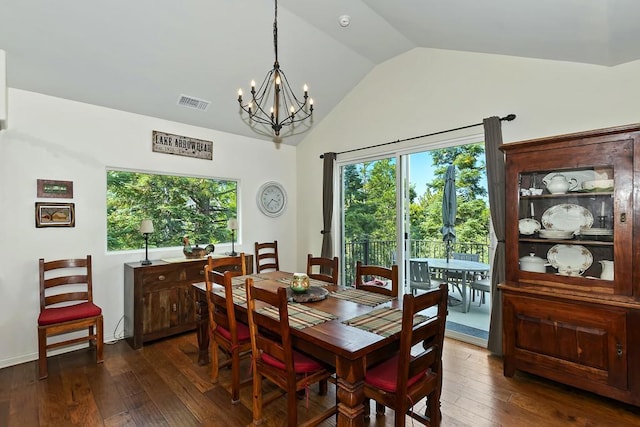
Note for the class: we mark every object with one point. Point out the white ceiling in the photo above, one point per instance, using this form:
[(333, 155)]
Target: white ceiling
[(140, 56)]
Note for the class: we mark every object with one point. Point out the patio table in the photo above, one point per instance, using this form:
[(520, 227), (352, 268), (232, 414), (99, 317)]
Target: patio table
[(459, 265)]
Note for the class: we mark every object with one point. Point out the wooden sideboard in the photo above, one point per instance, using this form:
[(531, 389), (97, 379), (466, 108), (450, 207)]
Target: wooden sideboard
[(159, 299)]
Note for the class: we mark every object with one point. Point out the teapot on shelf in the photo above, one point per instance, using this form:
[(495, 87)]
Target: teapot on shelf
[(559, 184)]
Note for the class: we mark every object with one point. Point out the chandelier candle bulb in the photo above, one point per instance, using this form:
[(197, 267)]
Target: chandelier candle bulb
[(602, 209)]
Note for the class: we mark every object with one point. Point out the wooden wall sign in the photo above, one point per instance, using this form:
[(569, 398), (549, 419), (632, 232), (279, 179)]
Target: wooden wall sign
[(182, 145)]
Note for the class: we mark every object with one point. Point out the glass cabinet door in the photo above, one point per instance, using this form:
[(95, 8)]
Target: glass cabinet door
[(574, 224), (566, 222)]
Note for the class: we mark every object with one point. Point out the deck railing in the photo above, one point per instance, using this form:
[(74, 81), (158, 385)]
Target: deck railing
[(384, 252)]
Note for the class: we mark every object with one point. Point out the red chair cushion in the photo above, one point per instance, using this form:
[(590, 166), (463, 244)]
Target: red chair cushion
[(241, 329), (83, 310), (301, 363), (385, 376)]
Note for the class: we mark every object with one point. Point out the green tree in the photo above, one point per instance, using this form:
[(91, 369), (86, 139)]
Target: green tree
[(472, 219), (179, 206)]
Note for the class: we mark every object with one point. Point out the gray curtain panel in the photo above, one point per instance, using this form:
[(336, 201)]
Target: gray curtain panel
[(495, 180), (327, 205)]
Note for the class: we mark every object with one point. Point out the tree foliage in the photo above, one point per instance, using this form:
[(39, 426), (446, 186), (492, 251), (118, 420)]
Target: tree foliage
[(370, 198), (179, 206)]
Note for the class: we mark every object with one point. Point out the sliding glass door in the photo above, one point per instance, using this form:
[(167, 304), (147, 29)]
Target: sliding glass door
[(392, 213)]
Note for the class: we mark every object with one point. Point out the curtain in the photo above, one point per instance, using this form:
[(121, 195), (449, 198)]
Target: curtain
[(495, 181), (327, 205)]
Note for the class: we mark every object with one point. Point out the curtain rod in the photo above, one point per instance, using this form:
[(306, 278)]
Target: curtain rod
[(508, 117)]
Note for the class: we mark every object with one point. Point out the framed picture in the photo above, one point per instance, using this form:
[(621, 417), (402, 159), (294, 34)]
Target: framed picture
[(55, 215), (48, 188)]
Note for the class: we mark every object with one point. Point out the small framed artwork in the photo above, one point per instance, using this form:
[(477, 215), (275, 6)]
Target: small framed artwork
[(55, 215), (48, 188)]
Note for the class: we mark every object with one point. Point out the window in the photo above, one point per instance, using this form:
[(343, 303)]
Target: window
[(179, 206)]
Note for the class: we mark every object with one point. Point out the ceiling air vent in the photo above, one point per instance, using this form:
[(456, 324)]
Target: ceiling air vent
[(191, 102)]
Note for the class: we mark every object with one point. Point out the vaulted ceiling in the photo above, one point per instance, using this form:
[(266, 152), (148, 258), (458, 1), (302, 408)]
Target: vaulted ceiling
[(141, 56)]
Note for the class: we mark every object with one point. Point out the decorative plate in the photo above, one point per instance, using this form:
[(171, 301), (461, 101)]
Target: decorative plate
[(567, 217), (570, 260), (528, 226), (556, 234)]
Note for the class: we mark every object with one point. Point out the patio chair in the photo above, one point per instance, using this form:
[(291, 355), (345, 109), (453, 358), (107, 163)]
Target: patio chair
[(420, 277), (483, 287)]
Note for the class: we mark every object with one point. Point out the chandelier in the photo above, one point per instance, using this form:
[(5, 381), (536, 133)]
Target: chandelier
[(274, 104)]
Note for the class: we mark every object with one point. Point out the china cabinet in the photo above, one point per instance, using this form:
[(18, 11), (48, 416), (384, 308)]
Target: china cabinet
[(159, 300), (571, 298)]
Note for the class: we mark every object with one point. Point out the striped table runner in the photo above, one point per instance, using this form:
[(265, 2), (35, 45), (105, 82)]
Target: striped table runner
[(384, 321), (239, 295), (240, 280), (300, 315), (362, 297)]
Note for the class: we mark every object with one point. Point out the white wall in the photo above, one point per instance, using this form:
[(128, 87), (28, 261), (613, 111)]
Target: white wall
[(53, 138), (428, 90)]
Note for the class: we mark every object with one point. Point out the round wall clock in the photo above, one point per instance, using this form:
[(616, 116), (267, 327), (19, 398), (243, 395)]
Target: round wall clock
[(272, 199)]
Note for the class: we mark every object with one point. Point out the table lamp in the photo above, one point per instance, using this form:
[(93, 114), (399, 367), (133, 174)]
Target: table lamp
[(232, 225), (146, 228)]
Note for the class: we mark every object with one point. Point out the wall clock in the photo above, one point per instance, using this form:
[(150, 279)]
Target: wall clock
[(272, 199)]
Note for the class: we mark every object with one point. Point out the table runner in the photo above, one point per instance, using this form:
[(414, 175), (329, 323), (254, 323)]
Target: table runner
[(312, 282), (240, 280), (239, 295), (300, 315), (383, 321), (362, 297)]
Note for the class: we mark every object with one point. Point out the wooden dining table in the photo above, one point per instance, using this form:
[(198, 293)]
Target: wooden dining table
[(348, 348)]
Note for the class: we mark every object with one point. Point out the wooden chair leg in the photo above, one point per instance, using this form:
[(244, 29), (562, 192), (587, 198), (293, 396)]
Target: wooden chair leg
[(380, 409), (100, 341), (215, 362), (257, 398), (42, 354), (323, 388), (235, 377), (292, 409)]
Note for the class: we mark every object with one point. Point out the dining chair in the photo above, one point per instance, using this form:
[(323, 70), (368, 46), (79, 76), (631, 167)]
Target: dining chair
[(66, 305), (420, 276), (267, 256), (415, 371), (225, 332), (325, 269), (375, 278), (275, 359)]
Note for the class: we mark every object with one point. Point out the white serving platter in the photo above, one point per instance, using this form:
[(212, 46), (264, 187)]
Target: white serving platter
[(567, 217)]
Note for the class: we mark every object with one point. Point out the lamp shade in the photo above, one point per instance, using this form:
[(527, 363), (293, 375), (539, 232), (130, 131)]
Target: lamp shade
[(146, 226), (232, 224)]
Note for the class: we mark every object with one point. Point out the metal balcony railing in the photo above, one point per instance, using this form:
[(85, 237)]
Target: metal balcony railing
[(384, 253)]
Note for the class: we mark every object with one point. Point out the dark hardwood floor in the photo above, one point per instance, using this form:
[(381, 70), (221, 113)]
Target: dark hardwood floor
[(161, 384)]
